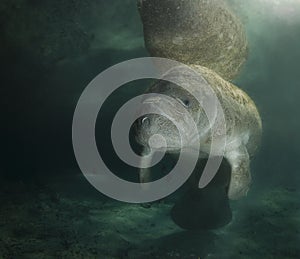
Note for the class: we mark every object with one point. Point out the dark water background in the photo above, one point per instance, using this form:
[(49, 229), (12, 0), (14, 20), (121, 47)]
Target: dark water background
[(40, 91), (50, 51)]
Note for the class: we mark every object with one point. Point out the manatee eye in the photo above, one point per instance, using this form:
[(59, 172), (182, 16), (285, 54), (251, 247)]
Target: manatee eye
[(185, 102)]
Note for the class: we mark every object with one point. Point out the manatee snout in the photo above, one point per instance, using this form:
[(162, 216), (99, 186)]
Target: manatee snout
[(169, 111), (153, 124), (159, 122)]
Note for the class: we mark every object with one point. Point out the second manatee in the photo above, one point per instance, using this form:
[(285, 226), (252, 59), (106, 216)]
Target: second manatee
[(197, 32)]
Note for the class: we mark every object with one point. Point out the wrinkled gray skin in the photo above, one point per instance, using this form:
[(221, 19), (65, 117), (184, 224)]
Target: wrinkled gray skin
[(243, 125)]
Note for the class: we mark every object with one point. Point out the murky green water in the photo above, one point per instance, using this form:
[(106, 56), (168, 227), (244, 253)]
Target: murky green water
[(50, 51)]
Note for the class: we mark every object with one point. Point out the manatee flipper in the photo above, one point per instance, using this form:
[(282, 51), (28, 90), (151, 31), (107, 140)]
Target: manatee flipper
[(144, 175), (240, 172), (144, 172)]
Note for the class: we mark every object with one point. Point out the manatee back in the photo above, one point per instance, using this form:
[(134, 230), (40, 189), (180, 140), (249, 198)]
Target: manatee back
[(208, 208), (198, 32), (241, 113)]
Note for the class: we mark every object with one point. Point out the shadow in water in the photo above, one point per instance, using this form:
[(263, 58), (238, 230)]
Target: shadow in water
[(208, 208)]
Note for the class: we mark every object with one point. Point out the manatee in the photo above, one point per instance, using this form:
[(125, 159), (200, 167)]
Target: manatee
[(197, 32), (243, 123)]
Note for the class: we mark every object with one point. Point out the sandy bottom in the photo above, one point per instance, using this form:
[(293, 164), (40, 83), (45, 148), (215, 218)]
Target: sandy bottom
[(67, 218)]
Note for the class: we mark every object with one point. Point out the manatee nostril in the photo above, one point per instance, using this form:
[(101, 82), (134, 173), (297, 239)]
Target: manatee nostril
[(145, 121)]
